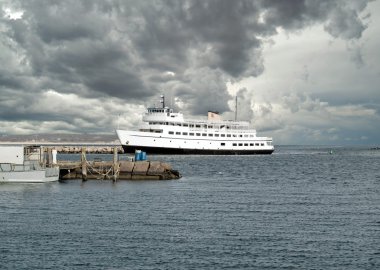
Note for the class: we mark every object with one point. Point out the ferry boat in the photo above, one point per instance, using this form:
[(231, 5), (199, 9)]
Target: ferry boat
[(23, 164), (167, 132)]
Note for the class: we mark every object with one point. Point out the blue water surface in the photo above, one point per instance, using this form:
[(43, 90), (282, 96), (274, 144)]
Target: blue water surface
[(300, 208)]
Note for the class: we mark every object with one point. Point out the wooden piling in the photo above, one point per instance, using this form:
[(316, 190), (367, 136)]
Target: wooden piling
[(115, 165), (49, 156), (84, 164)]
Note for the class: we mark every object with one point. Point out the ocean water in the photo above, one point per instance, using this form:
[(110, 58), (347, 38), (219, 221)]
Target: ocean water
[(300, 208)]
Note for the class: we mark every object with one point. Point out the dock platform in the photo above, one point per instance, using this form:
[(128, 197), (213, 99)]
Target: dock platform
[(122, 170), (116, 169)]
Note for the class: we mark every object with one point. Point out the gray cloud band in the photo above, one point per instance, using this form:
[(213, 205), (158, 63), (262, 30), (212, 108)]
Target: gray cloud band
[(134, 50)]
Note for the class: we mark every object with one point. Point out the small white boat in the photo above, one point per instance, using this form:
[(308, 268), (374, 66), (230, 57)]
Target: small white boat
[(25, 164)]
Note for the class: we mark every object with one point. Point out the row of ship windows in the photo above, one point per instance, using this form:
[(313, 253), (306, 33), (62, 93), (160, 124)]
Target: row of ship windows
[(196, 125), (245, 144), (210, 134)]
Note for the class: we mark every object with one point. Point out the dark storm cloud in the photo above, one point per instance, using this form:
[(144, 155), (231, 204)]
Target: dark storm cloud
[(162, 32), (228, 27), (15, 116), (225, 35), (207, 92), (138, 49), (341, 18), (158, 34), (62, 24), (101, 66), (8, 80)]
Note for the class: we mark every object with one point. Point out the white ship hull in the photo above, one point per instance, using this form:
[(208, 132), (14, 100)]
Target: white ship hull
[(35, 176), (160, 144)]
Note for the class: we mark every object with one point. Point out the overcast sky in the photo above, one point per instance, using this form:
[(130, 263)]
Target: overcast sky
[(304, 71)]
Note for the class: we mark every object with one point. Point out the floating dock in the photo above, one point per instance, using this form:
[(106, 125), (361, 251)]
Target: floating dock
[(124, 170), (114, 170)]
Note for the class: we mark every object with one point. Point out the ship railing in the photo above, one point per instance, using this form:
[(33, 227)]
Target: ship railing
[(223, 130)]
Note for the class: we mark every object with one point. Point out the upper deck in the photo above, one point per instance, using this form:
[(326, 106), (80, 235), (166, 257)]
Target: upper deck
[(166, 116)]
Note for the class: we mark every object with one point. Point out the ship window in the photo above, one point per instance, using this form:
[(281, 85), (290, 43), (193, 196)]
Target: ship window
[(185, 125), (269, 143), (184, 133), (210, 135), (197, 126), (240, 144), (191, 126), (234, 135), (228, 135), (204, 134), (262, 144), (198, 134), (178, 133), (222, 135), (210, 126), (216, 135), (246, 144), (222, 144), (171, 132), (234, 144), (178, 124), (257, 144), (191, 134), (251, 144), (251, 135), (246, 135), (240, 135)]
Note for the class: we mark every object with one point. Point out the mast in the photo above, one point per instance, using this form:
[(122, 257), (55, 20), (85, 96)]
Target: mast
[(236, 106), (163, 101)]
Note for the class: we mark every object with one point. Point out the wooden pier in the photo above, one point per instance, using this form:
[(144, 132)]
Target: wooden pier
[(116, 169)]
